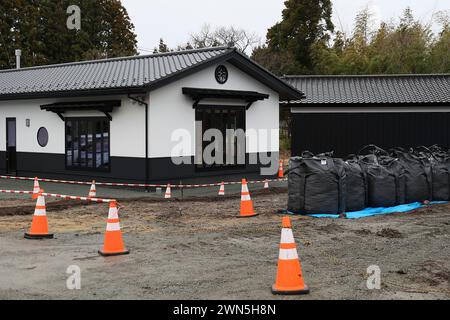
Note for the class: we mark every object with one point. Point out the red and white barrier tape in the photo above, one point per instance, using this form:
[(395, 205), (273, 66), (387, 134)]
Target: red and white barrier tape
[(139, 185), (61, 196), (16, 192)]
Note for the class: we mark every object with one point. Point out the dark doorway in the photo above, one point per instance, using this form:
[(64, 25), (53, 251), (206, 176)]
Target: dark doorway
[(223, 118), (11, 154)]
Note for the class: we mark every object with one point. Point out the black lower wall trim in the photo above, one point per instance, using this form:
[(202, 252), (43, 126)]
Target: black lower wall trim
[(123, 169), (2, 162)]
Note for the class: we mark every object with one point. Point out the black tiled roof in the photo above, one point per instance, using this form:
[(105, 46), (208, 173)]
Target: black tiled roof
[(374, 89), (128, 74)]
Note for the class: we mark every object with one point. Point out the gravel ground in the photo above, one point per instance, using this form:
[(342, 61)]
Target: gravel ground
[(197, 249)]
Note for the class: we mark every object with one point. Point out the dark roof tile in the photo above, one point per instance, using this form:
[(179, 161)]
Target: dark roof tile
[(138, 71), (377, 89)]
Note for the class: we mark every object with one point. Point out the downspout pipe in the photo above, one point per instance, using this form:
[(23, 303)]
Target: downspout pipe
[(147, 167)]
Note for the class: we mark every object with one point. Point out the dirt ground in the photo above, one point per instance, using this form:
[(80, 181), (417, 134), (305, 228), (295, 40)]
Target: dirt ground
[(198, 250)]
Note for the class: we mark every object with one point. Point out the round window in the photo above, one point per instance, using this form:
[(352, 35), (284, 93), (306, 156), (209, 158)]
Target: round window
[(221, 74), (42, 137)]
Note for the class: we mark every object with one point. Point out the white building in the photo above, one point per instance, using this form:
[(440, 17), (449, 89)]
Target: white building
[(115, 119)]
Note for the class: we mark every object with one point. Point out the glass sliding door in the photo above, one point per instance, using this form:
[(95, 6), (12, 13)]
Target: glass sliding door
[(225, 119), (87, 144)]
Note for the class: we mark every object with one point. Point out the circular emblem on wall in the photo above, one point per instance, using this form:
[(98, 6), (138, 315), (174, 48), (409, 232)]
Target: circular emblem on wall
[(42, 137), (221, 74)]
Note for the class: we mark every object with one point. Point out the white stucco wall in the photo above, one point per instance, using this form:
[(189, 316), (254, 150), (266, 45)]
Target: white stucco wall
[(27, 137), (127, 127), (171, 110)]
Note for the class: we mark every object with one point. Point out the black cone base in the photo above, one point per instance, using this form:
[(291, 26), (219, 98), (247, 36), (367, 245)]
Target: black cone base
[(38, 236), (113, 254), (252, 216), (291, 293)]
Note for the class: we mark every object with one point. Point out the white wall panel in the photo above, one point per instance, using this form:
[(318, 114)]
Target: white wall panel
[(127, 127), (27, 136), (128, 130)]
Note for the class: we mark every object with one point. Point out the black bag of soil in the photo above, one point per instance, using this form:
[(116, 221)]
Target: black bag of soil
[(384, 176), (438, 149), (418, 176), (440, 171), (316, 185), (356, 191)]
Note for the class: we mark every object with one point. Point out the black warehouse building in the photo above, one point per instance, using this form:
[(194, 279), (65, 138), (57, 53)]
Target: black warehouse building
[(345, 113)]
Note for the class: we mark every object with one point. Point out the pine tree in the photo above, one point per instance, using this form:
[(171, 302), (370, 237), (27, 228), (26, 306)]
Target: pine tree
[(118, 27), (304, 23), (163, 47), (39, 28), (7, 33)]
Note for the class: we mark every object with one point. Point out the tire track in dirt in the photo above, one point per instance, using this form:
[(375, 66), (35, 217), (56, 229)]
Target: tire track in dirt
[(27, 210)]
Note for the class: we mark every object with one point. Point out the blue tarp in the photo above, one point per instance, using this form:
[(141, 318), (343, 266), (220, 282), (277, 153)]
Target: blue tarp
[(370, 212)]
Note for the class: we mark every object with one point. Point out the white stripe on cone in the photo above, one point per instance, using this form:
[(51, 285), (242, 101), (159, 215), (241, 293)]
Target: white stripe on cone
[(40, 212), (246, 197), (113, 226), (288, 254), (266, 184), (40, 203), (287, 236), (113, 214)]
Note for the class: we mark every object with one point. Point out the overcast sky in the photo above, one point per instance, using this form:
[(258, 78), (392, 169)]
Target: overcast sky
[(175, 20)]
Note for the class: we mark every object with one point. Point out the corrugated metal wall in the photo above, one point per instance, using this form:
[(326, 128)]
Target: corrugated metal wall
[(346, 133)]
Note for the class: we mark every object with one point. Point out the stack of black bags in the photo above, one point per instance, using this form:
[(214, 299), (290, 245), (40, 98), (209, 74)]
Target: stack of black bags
[(323, 184)]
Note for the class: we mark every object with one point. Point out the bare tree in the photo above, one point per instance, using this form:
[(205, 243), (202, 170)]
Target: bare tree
[(225, 36), (204, 38), (442, 18)]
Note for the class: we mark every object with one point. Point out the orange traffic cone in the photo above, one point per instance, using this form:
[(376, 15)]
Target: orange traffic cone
[(281, 170), (222, 189), (247, 210), (39, 226), (266, 184), (92, 191), (36, 189), (113, 245), (168, 192), (289, 278)]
